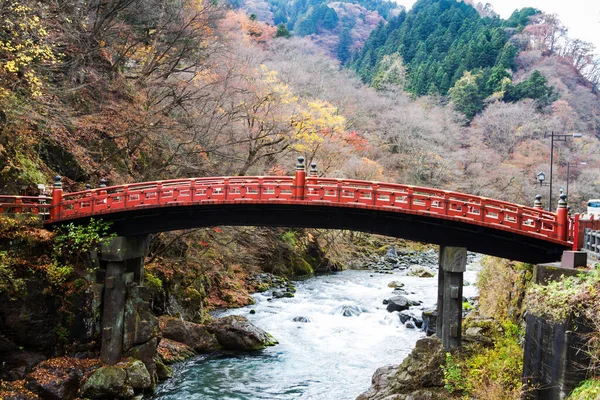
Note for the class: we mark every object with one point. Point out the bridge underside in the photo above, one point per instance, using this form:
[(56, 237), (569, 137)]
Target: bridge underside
[(409, 226)]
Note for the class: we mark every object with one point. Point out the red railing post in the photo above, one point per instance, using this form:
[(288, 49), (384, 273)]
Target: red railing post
[(576, 240), (299, 180), (562, 218), (18, 203), (57, 191)]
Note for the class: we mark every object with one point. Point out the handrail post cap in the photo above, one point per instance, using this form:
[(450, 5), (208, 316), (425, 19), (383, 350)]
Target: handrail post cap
[(562, 203), (300, 163), (58, 181)]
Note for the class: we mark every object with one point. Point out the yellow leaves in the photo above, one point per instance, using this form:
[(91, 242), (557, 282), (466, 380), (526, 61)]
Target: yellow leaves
[(11, 66), (315, 121), (22, 46)]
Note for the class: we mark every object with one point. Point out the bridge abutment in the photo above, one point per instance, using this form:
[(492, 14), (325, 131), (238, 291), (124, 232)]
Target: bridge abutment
[(452, 265), (124, 261)]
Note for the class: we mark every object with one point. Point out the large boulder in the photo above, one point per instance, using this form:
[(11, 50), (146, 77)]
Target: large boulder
[(138, 376), (419, 377), (193, 335), (146, 353), (107, 382), (237, 333), (170, 351), (59, 378)]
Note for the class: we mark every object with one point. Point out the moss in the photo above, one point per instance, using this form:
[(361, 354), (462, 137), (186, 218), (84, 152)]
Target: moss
[(300, 267), (587, 390), (271, 341)]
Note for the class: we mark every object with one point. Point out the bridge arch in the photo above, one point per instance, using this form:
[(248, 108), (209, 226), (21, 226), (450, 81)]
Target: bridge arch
[(422, 214)]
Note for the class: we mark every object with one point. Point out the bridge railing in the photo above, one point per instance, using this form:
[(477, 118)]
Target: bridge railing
[(24, 204), (176, 192), (433, 201), (346, 192)]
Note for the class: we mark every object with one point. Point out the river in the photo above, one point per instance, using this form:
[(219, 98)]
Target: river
[(331, 357)]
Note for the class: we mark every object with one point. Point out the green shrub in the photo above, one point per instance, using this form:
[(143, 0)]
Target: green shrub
[(587, 390), (10, 284), (491, 373), (153, 282), (73, 243)]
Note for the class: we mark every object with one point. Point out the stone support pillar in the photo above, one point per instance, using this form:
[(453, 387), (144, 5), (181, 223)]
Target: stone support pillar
[(452, 265), (119, 255)]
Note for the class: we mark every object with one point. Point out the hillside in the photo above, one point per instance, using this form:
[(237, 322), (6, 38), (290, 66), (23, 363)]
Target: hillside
[(338, 27)]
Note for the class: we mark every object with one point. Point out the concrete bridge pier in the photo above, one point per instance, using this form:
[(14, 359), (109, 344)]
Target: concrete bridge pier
[(123, 258), (452, 265)]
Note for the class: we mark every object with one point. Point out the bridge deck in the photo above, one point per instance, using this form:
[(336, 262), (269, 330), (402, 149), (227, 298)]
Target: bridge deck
[(418, 213)]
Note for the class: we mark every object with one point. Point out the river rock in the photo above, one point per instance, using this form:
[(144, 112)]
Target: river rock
[(265, 281), (420, 271), (138, 376), (419, 377), (391, 255), (429, 321), (348, 310), (235, 332), (398, 303), (301, 319), (193, 335), (107, 382), (407, 316), (171, 351), (396, 284), (163, 371)]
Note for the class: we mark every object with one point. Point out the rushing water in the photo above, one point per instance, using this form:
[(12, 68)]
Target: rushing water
[(332, 357)]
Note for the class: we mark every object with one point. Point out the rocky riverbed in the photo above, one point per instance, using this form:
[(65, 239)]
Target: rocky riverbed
[(333, 333)]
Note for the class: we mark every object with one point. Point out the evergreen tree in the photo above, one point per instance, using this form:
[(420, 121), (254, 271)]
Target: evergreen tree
[(330, 19), (282, 31), (438, 33), (343, 48), (466, 96)]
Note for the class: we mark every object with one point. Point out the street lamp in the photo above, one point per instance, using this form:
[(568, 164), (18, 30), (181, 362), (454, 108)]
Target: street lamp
[(561, 137), (541, 177)]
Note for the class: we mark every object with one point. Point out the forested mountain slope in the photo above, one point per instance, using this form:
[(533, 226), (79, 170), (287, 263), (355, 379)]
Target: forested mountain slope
[(339, 27)]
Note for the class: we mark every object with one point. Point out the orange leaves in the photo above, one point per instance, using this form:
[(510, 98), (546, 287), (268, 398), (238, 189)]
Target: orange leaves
[(237, 23)]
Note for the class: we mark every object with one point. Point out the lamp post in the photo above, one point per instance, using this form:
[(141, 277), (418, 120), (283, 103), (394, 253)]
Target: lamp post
[(562, 137), (541, 177)]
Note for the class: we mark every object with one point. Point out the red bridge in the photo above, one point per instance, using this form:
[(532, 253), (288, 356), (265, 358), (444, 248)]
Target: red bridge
[(428, 215)]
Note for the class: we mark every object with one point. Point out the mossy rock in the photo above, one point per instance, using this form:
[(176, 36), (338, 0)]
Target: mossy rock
[(301, 267), (262, 287), (138, 376), (107, 382), (163, 371)]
